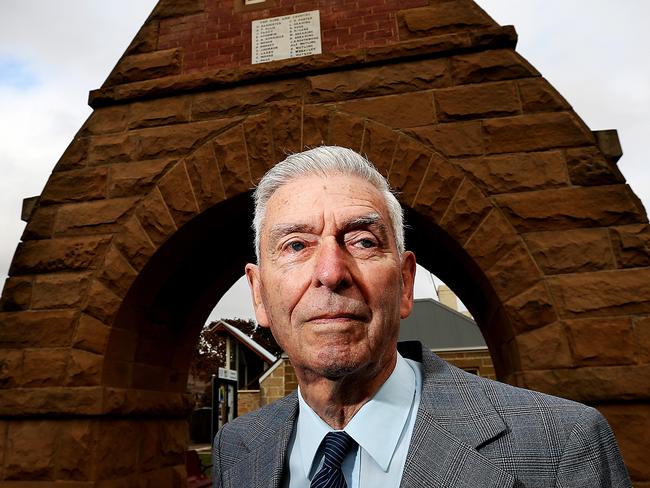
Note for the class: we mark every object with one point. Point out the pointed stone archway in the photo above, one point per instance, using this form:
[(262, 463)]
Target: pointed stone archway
[(144, 224)]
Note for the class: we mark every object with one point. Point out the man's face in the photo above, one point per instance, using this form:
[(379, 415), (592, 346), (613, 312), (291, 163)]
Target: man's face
[(330, 283)]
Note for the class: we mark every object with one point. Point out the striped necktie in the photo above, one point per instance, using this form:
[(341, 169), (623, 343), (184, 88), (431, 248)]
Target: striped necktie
[(335, 446)]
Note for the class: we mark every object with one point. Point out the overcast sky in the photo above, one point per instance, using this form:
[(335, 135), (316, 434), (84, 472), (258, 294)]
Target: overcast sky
[(53, 52)]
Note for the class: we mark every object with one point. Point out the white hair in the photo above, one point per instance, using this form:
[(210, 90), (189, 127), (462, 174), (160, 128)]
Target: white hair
[(325, 161)]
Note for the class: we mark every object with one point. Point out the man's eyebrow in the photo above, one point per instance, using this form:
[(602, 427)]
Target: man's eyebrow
[(372, 220), (280, 230)]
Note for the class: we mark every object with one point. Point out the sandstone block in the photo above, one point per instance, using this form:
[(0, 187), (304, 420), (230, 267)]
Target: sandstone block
[(537, 95), (51, 401), (176, 189), (601, 342), (642, 339), (117, 374), (345, 131), (101, 216), (544, 348), (205, 177), (379, 146), (572, 251), (117, 274), (534, 132), (134, 243), (112, 149), (116, 448), (68, 253), (22, 461), (76, 185), (570, 208), (44, 367), (381, 80), (145, 40), (477, 101), (107, 120), (139, 67), (441, 18), (74, 456), (437, 188), (631, 245), (84, 369), (162, 444), (75, 156), (492, 65), (509, 173), (492, 239), (136, 178), (41, 224), (398, 111), (122, 344), (605, 293), (60, 290), (453, 139), (155, 219), (232, 160), (465, 213), (286, 124), (315, 126), (102, 303), (163, 111), (178, 8), (16, 294), (91, 335), (410, 164), (588, 167), (11, 368), (514, 273), (37, 329), (531, 309)]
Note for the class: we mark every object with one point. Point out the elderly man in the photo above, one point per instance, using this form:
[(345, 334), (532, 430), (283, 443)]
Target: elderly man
[(332, 281)]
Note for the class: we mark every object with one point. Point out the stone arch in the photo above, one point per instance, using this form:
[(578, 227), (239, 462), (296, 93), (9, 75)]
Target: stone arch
[(496, 171)]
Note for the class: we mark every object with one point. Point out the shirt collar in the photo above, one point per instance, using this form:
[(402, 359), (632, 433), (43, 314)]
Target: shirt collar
[(376, 427)]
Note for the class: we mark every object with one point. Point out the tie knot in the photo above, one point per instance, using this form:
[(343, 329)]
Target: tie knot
[(335, 446)]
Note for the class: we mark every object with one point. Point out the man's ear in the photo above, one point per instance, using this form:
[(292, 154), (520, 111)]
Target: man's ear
[(408, 280), (255, 284)]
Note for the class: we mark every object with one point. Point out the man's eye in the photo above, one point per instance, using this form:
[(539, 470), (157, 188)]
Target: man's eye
[(296, 246), (366, 243)]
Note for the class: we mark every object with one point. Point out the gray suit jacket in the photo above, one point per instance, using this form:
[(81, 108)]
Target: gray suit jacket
[(469, 432)]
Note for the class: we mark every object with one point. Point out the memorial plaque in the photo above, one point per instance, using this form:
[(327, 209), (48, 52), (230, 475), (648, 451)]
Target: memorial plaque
[(289, 36)]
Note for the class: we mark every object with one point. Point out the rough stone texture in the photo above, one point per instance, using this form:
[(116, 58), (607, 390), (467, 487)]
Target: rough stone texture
[(514, 273), (16, 294), (286, 123), (441, 18), (134, 243), (642, 339), (345, 130), (84, 369), (516, 172), (453, 139), (155, 219), (531, 309), (116, 448), (176, 189), (570, 208), (477, 101), (399, 111), (60, 290), (41, 224), (44, 367), (537, 95), (545, 347), (117, 274), (22, 461), (315, 125), (379, 146), (166, 111), (573, 251), (601, 342), (97, 217), (102, 303), (106, 120), (492, 239), (465, 213), (631, 245), (91, 335), (137, 178), (439, 185), (37, 329), (232, 160), (177, 8), (74, 456), (146, 66), (11, 368), (74, 157), (588, 167), (406, 172), (604, 293), (492, 65), (75, 185)]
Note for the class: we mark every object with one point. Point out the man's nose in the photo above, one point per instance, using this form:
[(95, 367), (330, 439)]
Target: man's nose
[(332, 268)]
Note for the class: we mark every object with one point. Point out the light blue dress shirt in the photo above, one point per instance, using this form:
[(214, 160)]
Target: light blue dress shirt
[(382, 429)]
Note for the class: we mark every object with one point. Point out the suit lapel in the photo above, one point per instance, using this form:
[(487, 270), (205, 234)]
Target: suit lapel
[(454, 420)]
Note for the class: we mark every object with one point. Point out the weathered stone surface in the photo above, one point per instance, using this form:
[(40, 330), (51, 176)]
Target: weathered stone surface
[(137, 178), (162, 444), (531, 309), (631, 245), (632, 431), (75, 156), (44, 367), (588, 167), (440, 183), (441, 18), (544, 348), (134, 243), (176, 189), (122, 344), (107, 120), (453, 139), (146, 39), (514, 273), (379, 146), (537, 95), (91, 335), (101, 216), (205, 176), (22, 461), (491, 65), (315, 126), (68, 253), (230, 153), (146, 66), (259, 141), (605, 293), (41, 224), (130, 401), (74, 456), (51, 401), (493, 238), (37, 329), (592, 384), (286, 123), (117, 274), (466, 211), (244, 99), (75, 185), (409, 167), (609, 144), (534, 132), (381, 80), (84, 368), (570, 208), (509, 173), (102, 303), (155, 219), (345, 131), (16, 294), (112, 148), (399, 111), (601, 342), (572, 251), (477, 101), (163, 111), (177, 8), (60, 290), (117, 374), (116, 448), (11, 368), (642, 339)]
